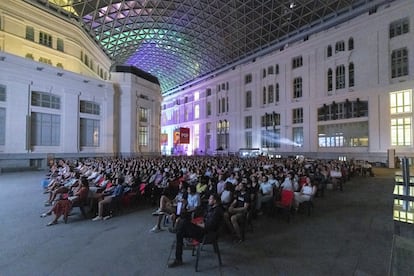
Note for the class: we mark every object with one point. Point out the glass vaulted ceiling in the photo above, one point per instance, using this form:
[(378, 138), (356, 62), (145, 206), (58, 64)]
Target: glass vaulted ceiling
[(184, 40)]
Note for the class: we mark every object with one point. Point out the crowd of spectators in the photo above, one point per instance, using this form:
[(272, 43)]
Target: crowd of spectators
[(155, 178)]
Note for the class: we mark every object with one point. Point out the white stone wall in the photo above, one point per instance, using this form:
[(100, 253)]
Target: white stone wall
[(371, 56)]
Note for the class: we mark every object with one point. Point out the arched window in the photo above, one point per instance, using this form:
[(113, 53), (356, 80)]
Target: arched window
[(350, 44), (351, 73), (329, 51), (329, 79), (340, 77)]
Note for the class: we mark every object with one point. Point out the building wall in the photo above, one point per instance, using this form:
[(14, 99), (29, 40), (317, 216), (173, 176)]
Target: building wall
[(371, 57), (73, 81)]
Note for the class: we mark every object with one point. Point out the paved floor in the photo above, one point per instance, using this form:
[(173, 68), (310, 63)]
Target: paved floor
[(348, 233)]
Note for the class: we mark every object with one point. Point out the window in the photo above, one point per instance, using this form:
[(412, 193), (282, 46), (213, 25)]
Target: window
[(196, 111), (277, 97), (297, 87), (223, 128), (401, 131), (340, 77), (329, 79), (270, 70), (399, 27), (143, 136), (208, 92), (270, 138), (277, 69), (399, 63), (297, 62), (208, 108), (248, 138), (223, 105), (350, 44), (45, 129), (248, 78), (30, 34), (89, 107), (60, 45), (400, 102), (45, 100), (297, 133), (343, 110), (264, 95), (264, 73), (401, 117), (208, 127), (343, 135), (186, 115), (89, 132), (340, 46), (248, 122), (271, 119), (248, 99), (45, 39), (351, 74), (196, 96), (329, 51), (297, 116), (270, 94), (143, 114), (2, 126), (2, 93)]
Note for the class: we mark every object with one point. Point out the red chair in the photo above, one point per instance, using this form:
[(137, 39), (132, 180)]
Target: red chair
[(285, 203)]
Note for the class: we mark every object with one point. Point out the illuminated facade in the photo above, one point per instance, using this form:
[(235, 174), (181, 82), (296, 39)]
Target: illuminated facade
[(60, 97), (344, 92)]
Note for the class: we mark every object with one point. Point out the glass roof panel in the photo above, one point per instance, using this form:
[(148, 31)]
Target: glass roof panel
[(180, 41)]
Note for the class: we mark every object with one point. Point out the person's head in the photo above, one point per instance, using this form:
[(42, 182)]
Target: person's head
[(214, 199), (192, 189)]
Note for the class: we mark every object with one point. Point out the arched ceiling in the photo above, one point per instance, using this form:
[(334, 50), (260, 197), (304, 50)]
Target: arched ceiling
[(181, 41)]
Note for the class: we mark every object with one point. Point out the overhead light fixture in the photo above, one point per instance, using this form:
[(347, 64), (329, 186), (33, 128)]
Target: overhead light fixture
[(292, 5), (59, 74), (39, 68)]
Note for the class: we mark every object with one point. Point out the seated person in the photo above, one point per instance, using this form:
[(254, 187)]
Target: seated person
[(101, 185), (227, 195), (186, 229), (238, 210), (168, 206), (68, 186), (265, 194), (107, 197), (306, 193), (65, 203), (190, 209)]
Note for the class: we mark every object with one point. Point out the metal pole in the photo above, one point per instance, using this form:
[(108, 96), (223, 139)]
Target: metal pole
[(406, 179)]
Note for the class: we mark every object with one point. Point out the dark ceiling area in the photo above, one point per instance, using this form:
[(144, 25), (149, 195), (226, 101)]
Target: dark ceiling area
[(183, 41)]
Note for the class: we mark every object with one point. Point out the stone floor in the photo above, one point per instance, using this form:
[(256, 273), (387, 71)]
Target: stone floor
[(348, 233)]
